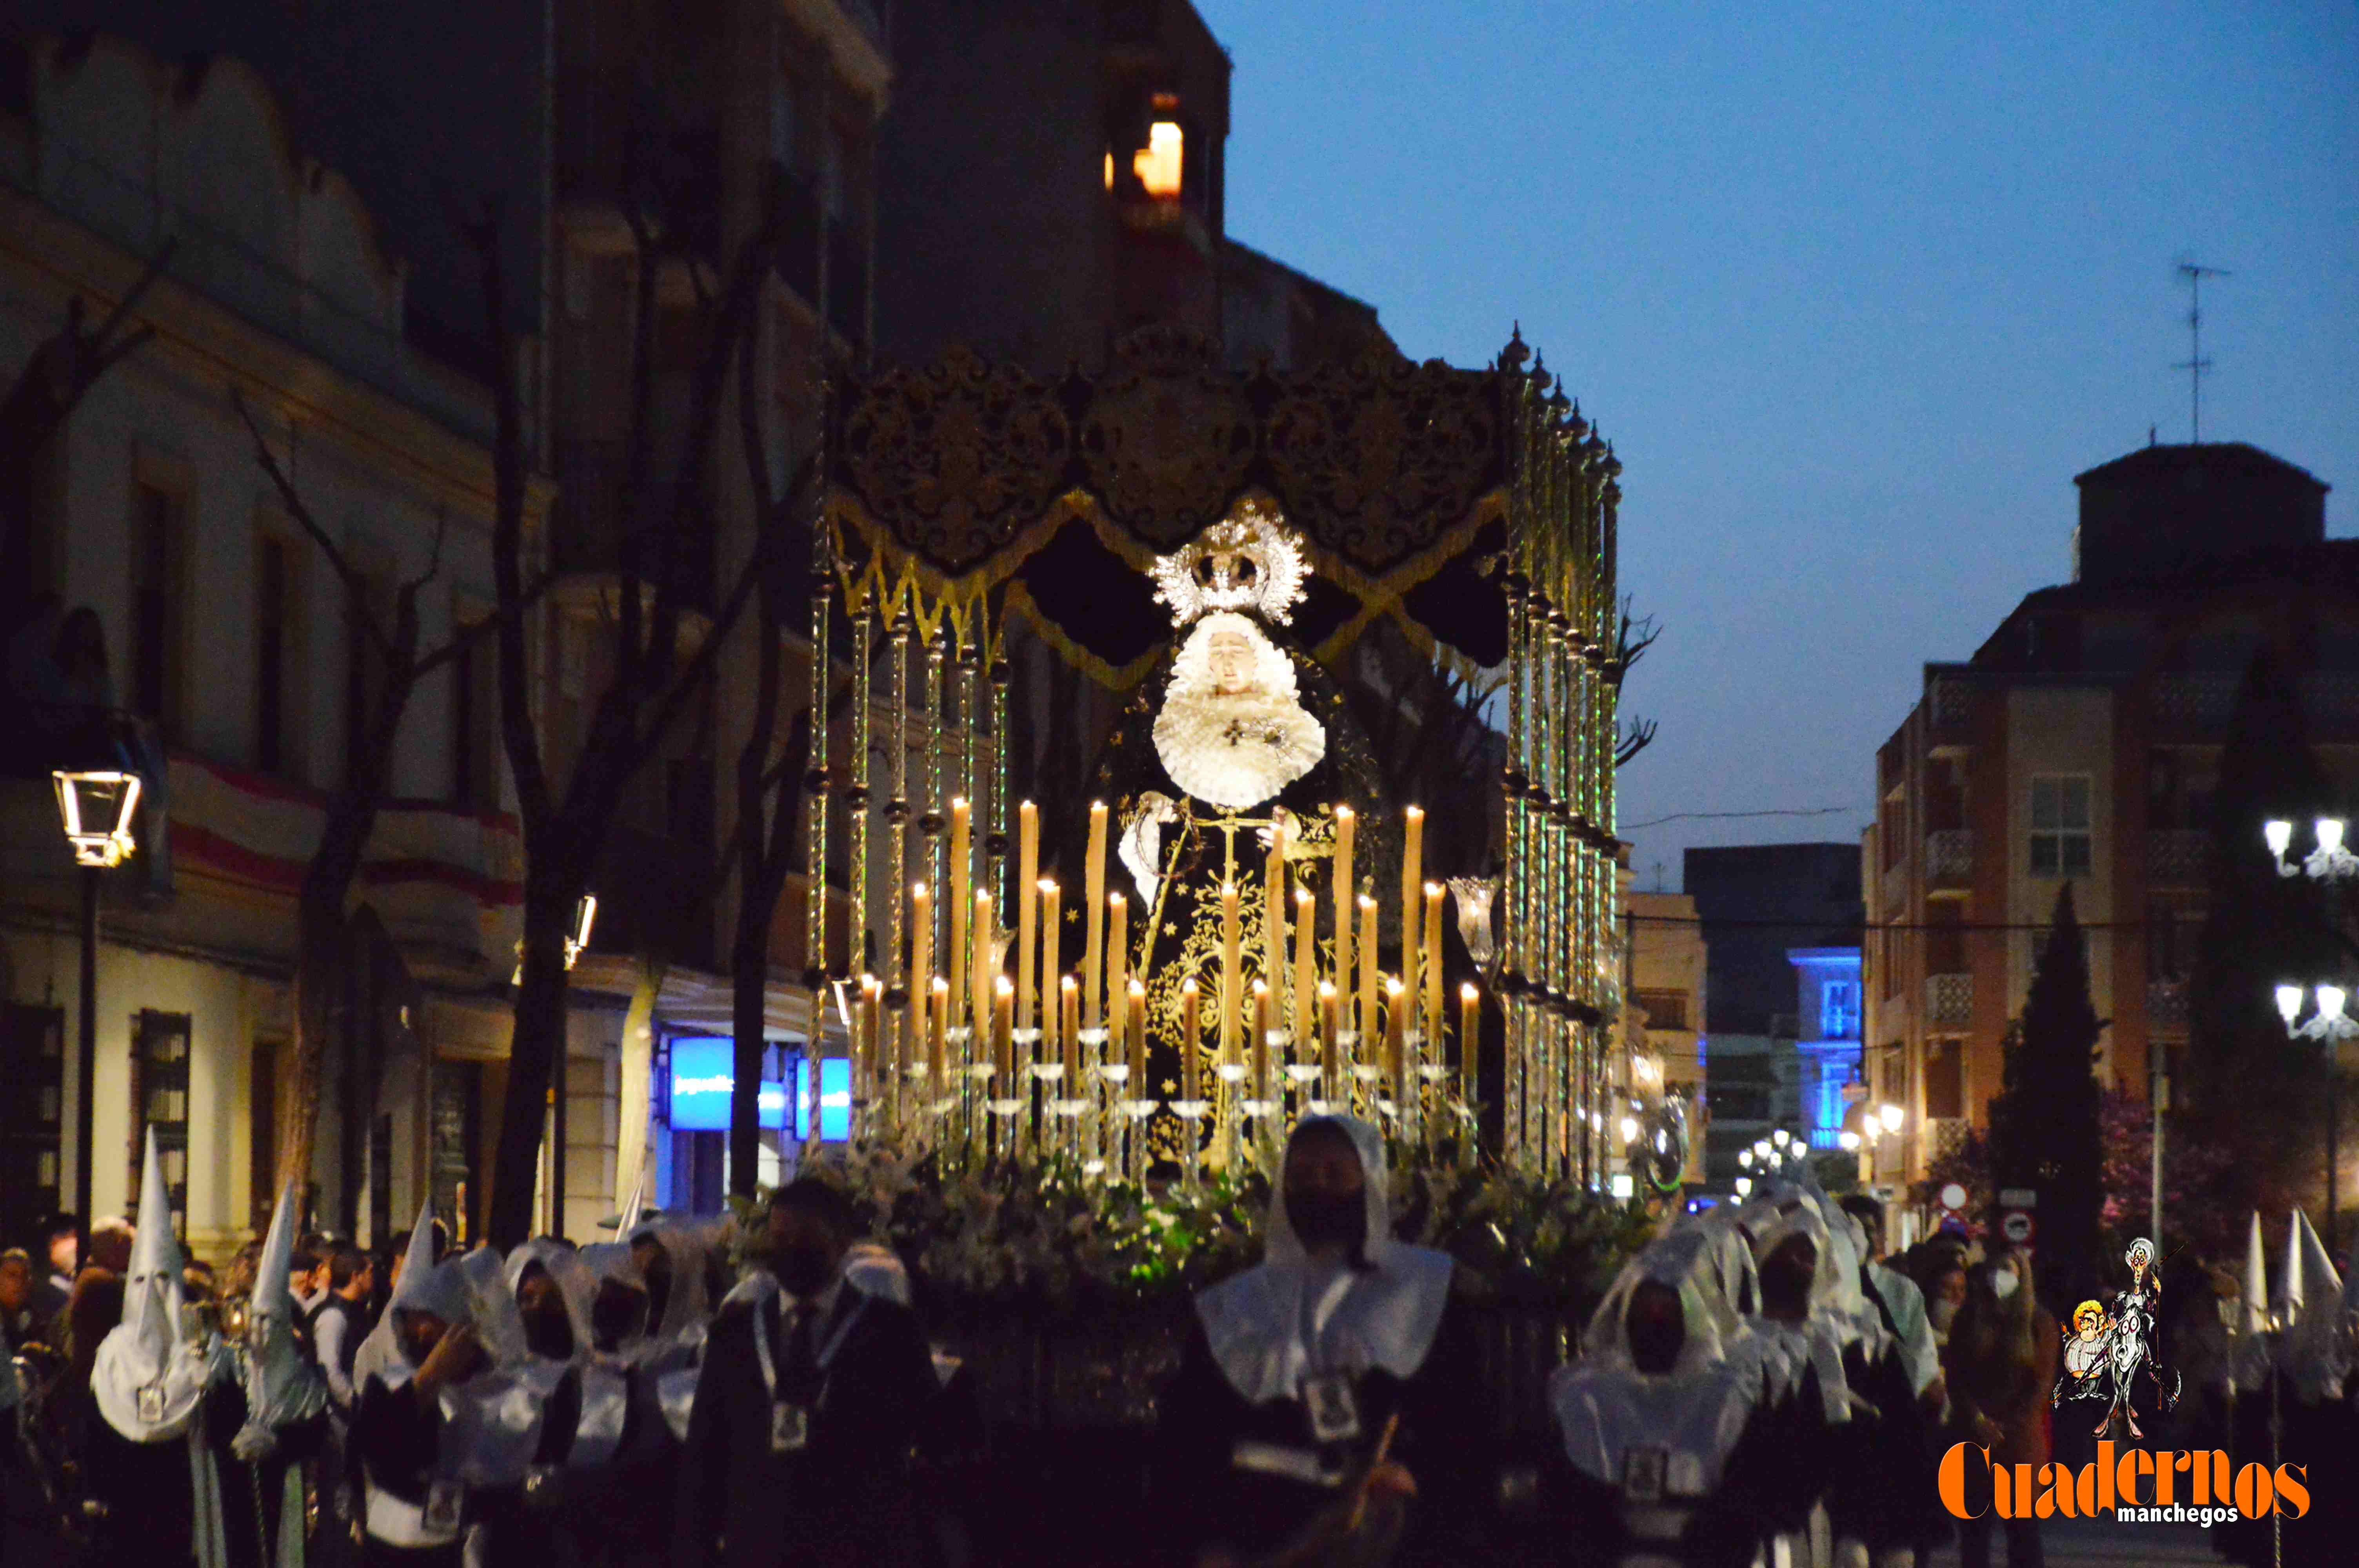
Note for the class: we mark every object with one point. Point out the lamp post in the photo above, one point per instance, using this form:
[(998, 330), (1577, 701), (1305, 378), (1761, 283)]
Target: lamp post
[(2330, 1026), (2330, 862), (95, 810)]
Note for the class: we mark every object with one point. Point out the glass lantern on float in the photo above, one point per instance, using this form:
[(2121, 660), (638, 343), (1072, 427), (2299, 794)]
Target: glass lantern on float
[(1475, 896), (96, 810), (2330, 861)]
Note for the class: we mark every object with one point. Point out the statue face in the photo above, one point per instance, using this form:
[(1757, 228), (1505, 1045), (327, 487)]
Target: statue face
[(1232, 659)]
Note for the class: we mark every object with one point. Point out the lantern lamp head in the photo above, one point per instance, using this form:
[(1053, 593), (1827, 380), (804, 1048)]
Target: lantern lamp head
[(1744, 1185), (1475, 896), (2330, 1001), (1629, 1130), (585, 915), (2330, 833), (1745, 1158), (1890, 1116), (96, 809), (2277, 833), (1849, 1140), (2289, 1000), (1782, 1137)]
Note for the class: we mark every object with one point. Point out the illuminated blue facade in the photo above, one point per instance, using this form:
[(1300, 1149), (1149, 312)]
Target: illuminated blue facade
[(1829, 1000)]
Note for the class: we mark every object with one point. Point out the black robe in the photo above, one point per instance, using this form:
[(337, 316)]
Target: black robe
[(393, 1439), (1201, 1496), (253, 1495), (845, 1499)]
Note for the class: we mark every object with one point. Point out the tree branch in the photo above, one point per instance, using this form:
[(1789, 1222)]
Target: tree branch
[(356, 585)]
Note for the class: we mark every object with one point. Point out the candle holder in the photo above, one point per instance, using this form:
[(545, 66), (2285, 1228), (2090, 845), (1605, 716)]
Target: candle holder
[(1010, 1130), (1231, 1075), (1137, 1111), (974, 1106), (1190, 1111)]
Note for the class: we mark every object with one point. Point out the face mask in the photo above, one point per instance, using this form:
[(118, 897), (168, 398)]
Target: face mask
[(2003, 1282), (1944, 1313), (548, 1332), (1328, 1219), (803, 1270)]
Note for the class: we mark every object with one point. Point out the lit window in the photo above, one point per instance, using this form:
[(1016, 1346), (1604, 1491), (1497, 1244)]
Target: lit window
[(1157, 163), (2060, 826), (1839, 1011), (1109, 168)]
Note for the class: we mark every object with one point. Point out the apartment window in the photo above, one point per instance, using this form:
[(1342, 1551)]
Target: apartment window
[(275, 642), (159, 519), (1839, 1011), (1945, 1096), (1665, 1010), (2060, 826), (159, 1103)]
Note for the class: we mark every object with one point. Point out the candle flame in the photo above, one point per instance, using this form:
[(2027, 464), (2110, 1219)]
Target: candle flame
[(1047, 884), (1069, 984), (1416, 814), (1392, 985), (1466, 992), (1139, 990), (1344, 814), (1326, 989), (958, 803), (1005, 986), (1189, 984)]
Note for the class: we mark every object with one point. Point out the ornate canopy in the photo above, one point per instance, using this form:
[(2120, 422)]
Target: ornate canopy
[(963, 478)]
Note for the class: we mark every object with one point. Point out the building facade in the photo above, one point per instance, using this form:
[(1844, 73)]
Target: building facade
[(2080, 745), (1665, 1000)]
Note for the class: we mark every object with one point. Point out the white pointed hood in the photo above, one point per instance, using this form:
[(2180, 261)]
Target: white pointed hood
[(2249, 1350), (688, 1305), (282, 1386), (149, 1379), (2315, 1350), (1386, 1315), (380, 1354)]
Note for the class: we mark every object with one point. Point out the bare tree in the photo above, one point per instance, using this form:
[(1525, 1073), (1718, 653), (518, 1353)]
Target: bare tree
[(1636, 635), (649, 686), (56, 378), (360, 792)]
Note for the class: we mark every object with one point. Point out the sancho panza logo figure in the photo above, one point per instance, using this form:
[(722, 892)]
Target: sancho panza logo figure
[(2105, 1352)]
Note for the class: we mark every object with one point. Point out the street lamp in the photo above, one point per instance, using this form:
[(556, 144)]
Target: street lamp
[(96, 810), (1629, 1130), (577, 941), (2327, 863), (1889, 1114), (1849, 1140), (2328, 1026), (1744, 1185)]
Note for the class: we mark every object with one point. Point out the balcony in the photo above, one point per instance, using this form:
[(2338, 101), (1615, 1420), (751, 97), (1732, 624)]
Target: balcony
[(1945, 1136), (1949, 711), (1950, 860), (2166, 1007), (2177, 859), (1895, 886), (2193, 704), (1949, 1001)]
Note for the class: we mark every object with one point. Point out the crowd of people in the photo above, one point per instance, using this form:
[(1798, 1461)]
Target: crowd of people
[(1756, 1387)]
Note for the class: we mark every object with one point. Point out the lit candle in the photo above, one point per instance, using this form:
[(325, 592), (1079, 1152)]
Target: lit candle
[(1093, 892), (1232, 997), (1469, 1036), (1306, 963), (1003, 1030), (1433, 966), (1347, 822), (956, 960), (986, 924), (1117, 975), (1273, 920), (1070, 993), (1412, 881), (1052, 965), (1028, 875), (1368, 1023), (1395, 1008), (872, 1034), (1138, 1042), (1328, 1004), (1191, 1033), (1261, 1039), (940, 1019), (921, 959)]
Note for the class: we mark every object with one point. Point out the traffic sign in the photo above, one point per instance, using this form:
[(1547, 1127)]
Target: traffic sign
[(2016, 1226), (1953, 1198), (2018, 1198)]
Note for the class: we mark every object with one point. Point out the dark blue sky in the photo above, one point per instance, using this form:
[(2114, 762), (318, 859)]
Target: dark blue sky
[(1856, 290)]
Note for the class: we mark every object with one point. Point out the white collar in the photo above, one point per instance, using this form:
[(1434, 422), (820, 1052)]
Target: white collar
[(1384, 1318)]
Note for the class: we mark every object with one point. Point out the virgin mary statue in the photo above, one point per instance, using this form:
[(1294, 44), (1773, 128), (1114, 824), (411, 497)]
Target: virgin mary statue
[(1232, 736)]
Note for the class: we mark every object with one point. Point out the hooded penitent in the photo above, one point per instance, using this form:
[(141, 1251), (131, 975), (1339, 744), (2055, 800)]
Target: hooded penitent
[(1613, 1400), (380, 1354), (1832, 1320), (282, 1386), (606, 1388), (1272, 1325), (151, 1371), (2315, 1352)]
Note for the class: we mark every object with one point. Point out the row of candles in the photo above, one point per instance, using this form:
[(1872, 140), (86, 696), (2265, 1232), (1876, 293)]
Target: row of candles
[(966, 1019)]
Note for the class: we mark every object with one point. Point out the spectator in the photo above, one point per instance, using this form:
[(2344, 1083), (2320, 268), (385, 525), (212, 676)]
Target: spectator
[(110, 1245), (339, 1325), (21, 1322), (2001, 1367)]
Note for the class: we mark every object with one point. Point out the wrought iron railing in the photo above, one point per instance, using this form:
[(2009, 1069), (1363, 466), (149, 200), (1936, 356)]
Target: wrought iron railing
[(1949, 856), (2177, 857), (1949, 1001)]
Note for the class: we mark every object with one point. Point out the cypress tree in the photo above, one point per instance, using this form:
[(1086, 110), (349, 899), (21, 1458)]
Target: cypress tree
[(2241, 1073), (2045, 1130)]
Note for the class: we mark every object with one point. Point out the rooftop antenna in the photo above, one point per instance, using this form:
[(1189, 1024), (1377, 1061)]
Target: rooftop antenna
[(2195, 364)]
